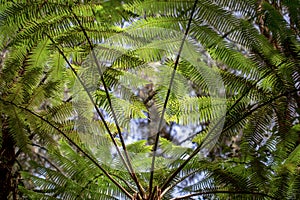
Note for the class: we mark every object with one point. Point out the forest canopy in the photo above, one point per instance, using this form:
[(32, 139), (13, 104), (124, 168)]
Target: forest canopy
[(150, 99)]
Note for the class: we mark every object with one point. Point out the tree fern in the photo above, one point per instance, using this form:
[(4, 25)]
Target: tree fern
[(127, 76)]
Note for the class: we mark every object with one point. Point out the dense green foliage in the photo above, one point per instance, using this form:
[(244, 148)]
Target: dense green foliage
[(74, 75)]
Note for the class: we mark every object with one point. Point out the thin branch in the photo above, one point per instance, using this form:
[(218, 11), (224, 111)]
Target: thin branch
[(73, 143), (168, 95), (223, 192), (129, 167)]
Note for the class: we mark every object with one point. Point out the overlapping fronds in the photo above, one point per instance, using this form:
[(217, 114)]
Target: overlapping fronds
[(73, 177), (85, 70)]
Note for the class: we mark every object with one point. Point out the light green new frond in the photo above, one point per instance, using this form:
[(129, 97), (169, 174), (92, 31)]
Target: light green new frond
[(139, 147), (139, 153), (173, 105)]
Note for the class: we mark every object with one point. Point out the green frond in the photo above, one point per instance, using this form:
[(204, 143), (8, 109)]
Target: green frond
[(197, 110), (287, 145), (292, 7), (132, 80), (162, 22), (232, 117), (125, 110), (238, 85), (246, 7), (150, 7), (60, 113), (254, 133), (219, 18), (12, 64), (75, 177), (277, 25), (18, 128)]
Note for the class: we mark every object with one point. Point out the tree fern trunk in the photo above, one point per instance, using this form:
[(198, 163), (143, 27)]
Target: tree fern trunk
[(7, 152)]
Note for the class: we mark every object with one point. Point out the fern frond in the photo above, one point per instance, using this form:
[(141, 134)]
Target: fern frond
[(173, 8)]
